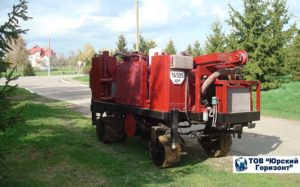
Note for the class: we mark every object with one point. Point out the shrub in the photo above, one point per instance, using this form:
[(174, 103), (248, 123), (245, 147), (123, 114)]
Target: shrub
[(86, 69), (28, 70)]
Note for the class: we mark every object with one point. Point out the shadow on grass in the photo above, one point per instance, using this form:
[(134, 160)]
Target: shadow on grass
[(55, 136), (58, 147)]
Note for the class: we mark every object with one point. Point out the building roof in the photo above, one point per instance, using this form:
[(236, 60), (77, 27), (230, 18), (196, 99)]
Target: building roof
[(43, 51)]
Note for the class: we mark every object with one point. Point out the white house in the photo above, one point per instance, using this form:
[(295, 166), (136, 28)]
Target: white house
[(39, 57)]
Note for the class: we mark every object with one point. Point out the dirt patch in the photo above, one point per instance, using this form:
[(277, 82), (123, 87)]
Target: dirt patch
[(81, 109), (43, 99)]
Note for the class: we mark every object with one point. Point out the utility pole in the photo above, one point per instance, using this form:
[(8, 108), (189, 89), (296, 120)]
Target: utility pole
[(137, 46), (49, 68)]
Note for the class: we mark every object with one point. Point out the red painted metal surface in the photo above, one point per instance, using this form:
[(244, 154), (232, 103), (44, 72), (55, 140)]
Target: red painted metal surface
[(222, 90), (102, 76), (131, 87), (223, 60), (137, 83), (164, 95), (208, 64), (130, 125), (159, 83), (97, 89)]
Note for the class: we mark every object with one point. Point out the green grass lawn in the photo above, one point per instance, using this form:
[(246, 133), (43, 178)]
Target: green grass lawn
[(58, 147), (283, 102), (84, 78)]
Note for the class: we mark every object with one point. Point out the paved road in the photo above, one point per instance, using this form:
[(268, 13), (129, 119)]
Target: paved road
[(272, 136), (60, 87)]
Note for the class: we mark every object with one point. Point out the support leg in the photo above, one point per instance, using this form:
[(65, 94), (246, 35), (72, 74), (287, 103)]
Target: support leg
[(174, 128)]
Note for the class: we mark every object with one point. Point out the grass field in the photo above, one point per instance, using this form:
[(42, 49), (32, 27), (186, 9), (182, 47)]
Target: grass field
[(283, 102), (58, 147), (85, 78)]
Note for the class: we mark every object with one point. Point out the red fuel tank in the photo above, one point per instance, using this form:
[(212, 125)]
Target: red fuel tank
[(167, 84), (131, 83)]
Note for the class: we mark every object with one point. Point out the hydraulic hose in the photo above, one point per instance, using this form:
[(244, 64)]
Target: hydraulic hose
[(217, 74)]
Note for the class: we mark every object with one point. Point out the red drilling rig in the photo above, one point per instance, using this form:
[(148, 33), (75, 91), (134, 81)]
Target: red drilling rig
[(132, 95)]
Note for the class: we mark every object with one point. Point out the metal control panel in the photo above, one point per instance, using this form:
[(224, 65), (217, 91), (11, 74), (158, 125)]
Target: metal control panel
[(181, 62)]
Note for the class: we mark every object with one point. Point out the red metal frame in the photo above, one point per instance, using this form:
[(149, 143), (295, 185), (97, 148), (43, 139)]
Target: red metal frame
[(208, 64), (222, 90), (223, 60), (150, 85), (102, 75)]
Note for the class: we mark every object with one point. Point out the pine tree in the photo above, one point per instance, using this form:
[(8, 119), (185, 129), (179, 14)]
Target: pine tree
[(259, 31), (142, 44), (293, 57), (121, 44), (196, 50), (150, 44), (170, 48), (216, 41), (145, 45), (189, 49), (9, 32), (278, 38)]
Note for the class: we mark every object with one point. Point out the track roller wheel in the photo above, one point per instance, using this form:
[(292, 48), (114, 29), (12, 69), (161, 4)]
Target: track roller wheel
[(162, 154), (110, 130), (216, 146)]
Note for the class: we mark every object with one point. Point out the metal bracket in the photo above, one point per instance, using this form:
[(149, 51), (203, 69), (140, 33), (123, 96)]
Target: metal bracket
[(155, 132), (251, 125), (174, 128)]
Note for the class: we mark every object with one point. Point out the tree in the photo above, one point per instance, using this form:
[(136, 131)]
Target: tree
[(216, 41), (18, 54), (170, 48), (189, 49), (121, 44), (10, 31), (142, 44), (259, 29), (87, 54), (145, 45), (150, 44), (28, 70), (59, 61), (72, 59), (197, 51), (293, 57)]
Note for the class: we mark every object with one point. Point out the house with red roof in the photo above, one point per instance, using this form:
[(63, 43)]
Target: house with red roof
[(39, 57)]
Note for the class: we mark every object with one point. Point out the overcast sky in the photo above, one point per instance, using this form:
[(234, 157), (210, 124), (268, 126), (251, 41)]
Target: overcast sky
[(73, 23)]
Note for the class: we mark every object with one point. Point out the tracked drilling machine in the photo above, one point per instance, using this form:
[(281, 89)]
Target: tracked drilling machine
[(155, 96)]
